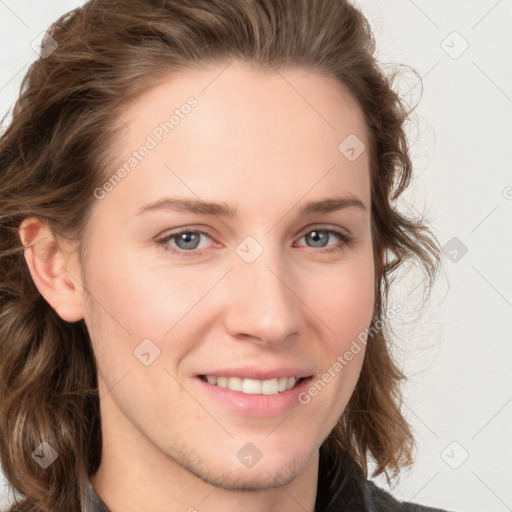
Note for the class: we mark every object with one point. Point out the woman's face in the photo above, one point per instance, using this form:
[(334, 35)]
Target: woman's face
[(260, 292)]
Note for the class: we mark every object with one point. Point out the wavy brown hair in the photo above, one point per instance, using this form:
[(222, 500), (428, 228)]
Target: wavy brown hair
[(53, 154)]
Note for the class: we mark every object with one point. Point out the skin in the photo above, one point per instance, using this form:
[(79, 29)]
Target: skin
[(265, 148)]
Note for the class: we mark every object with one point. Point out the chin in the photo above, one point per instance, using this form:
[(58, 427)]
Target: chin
[(266, 473), (258, 478)]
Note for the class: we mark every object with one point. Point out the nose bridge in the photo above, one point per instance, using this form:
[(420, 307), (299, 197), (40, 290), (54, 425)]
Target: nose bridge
[(260, 301)]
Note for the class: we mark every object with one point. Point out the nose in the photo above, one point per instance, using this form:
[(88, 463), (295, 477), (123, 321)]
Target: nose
[(261, 305)]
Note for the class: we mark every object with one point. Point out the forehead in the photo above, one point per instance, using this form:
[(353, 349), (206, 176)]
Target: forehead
[(223, 126)]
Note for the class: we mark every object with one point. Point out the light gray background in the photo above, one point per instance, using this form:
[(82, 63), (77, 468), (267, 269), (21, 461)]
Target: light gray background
[(457, 351)]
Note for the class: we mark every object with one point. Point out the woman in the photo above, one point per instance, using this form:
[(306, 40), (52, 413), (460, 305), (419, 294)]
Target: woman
[(198, 234)]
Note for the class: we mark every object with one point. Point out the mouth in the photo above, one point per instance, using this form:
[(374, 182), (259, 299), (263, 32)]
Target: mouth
[(254, 386), (237, 390)]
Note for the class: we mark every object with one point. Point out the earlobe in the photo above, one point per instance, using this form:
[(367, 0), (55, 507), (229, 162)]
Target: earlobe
[(53, 269)]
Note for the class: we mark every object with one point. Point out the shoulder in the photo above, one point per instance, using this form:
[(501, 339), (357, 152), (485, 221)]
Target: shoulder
[(343, 485), (382, 501)]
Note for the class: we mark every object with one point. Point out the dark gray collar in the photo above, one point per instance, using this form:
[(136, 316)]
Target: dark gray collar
[(94, 501)]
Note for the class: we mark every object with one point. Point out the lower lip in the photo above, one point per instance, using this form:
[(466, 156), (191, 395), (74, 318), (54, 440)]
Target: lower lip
[(260, 406)]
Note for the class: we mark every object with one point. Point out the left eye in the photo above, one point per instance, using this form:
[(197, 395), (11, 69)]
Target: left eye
[(189, 241), (319, 237)]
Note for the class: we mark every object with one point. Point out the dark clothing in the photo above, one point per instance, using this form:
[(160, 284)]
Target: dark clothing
[(341, 488)]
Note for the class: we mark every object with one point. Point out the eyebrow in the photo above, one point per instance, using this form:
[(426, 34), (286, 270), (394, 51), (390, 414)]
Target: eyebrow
[(224, 210)]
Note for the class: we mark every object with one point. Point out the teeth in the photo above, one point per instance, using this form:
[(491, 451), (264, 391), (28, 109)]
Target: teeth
[(283, 382), (253, 386)]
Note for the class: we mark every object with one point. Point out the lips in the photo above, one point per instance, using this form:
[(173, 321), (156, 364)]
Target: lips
[(264, 401), (262, 374)]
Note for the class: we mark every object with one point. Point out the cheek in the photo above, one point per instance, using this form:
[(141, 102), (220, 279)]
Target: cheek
[(144, 296), (346, 303), (346, 307), (139, 298)]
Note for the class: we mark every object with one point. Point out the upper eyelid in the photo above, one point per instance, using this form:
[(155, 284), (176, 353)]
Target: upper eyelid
[(305, 231), (204, 231)]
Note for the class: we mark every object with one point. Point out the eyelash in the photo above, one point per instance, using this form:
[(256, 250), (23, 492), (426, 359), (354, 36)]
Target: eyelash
[(346, 240)]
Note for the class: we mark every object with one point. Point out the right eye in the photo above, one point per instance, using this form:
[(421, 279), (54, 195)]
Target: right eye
[(185, 242)]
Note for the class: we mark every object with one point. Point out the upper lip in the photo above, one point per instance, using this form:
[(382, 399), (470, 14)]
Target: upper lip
[(251, 372)]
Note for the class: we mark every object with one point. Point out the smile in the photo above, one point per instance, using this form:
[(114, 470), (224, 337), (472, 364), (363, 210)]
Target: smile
[(253, 386)]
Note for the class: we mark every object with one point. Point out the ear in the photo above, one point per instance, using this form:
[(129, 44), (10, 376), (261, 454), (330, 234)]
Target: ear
[(54, 267)]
